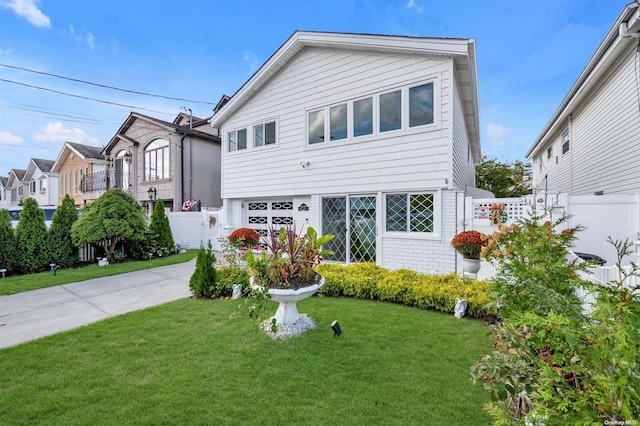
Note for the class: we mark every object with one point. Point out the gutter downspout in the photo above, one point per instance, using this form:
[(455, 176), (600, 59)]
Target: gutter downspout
[(184, 135), (623, 31)]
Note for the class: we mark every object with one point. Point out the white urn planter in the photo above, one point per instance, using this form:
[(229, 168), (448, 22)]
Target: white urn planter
[(470, 267)]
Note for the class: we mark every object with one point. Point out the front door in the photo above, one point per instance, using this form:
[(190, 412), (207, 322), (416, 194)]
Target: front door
[(352, 219)]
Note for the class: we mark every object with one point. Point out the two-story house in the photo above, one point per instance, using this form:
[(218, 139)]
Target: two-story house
[(4, 202), (173, 161), (15, 187), (590, 144), (76, 167), (372, 138), (41, 182)]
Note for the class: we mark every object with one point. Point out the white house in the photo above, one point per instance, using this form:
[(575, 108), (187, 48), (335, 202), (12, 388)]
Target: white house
[(372, 138), (15, 187), (41, 183), (4, 196), (591, 144)]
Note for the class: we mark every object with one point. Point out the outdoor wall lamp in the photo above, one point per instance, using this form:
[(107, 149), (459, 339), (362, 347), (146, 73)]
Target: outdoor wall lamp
[(127, 157), (109, 162), (152, 193)]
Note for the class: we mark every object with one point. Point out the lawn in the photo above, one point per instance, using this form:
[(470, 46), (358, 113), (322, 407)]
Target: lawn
[(187, 363), (17, 283)]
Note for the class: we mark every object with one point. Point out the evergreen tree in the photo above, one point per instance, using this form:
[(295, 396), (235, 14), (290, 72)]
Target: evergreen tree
[(160, 229), (203, 281), (7, 242), (61, 248), (31, 237)]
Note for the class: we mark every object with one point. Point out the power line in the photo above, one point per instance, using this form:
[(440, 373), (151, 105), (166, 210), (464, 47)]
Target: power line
[(58, 114), (107, 86), (84, 97)]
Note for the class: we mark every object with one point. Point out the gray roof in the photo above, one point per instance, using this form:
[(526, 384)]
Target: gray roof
[(43, 165), (4, 180), (87, 151)]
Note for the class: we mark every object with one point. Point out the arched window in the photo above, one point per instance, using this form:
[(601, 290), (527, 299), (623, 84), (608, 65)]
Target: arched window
[(156, 160)]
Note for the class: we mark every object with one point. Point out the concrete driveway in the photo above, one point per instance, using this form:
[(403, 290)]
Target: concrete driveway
[(32, 314)]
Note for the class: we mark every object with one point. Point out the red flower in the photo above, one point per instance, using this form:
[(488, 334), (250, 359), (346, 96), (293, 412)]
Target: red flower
[(468, 244)]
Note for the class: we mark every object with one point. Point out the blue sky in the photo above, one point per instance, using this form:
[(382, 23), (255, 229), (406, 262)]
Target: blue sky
[(529, 54)]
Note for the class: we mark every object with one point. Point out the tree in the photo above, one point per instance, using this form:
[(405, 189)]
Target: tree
[(203, 281), (160, 229), (7, 242), (31, 238), (114, 217), (61, 248), (504, 179)]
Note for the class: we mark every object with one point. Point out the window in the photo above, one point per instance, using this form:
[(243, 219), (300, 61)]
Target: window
[(421, 105), (156, 160), (43, 185), (32, 187), (338, 122), (264, 134), (549, 152), (390, 111), (410, 212), (20, 191), (565, 141), (316, 127), (237, 140), (363, 117)]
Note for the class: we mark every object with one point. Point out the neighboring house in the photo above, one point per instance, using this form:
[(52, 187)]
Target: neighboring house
[(4, 202), (15, 187), (76, 167), (41, 183), (371, 138), (173, 161), (591, 144)]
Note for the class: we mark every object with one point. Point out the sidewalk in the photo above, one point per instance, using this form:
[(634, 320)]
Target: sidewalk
[(33, 314)]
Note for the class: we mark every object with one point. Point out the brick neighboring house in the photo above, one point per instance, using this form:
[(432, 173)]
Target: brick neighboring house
[(76, 166)]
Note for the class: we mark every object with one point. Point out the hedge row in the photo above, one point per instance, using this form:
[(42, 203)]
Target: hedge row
[(433, 292)]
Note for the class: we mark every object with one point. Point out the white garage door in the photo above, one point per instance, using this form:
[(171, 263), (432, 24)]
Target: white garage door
[(261, 214)]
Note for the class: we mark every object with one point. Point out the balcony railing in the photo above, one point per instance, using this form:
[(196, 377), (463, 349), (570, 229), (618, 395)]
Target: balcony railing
[(101, 181)]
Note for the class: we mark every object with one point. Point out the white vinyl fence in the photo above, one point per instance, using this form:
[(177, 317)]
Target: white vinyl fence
[(192, 229)]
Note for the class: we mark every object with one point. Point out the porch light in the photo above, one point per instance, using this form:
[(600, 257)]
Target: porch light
[(127, 157), (109, 162), (152, 193)]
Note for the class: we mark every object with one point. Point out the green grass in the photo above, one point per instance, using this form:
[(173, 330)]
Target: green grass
[(187, 363), (18, 283)]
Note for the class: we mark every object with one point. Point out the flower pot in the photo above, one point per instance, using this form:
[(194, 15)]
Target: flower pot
[(470, 267)]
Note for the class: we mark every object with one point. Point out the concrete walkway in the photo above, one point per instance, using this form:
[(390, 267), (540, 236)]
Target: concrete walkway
[(32, 314)]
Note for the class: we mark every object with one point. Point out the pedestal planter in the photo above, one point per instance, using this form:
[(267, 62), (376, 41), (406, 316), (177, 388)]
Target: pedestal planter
[(287, 312), (470, 267)]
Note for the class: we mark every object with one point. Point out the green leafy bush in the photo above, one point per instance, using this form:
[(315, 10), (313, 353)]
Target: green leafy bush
[(228, 276), (31, 236), (8, 257), (433, 292), (160, 230), (203, 281), (60, 245)]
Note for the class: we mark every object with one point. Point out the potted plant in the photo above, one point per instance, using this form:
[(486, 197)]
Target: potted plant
[(469, 244), (244, 239), (284, 271)]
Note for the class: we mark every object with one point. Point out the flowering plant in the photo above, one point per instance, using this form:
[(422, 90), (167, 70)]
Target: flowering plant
[(244, 237), (468, 244), (289, 259)]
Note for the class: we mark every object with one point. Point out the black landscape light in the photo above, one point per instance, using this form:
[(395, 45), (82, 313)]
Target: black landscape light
[(337, 331)]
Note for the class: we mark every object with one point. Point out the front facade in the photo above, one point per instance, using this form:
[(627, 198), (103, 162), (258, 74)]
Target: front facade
[(591, 144), (172, 161), (15, 188), (370, 138), (4, 202), (41, 183), (74, 166)]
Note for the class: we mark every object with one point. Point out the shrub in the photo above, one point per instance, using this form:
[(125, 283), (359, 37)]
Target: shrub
[(7, 242), (31, 237), (203, 281), (60, 245), (160, 230), (244, 237), (227, 277), (433, 292), (468, 244)]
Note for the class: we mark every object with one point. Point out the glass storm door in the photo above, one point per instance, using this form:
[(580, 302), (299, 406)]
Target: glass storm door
[(353, 222)]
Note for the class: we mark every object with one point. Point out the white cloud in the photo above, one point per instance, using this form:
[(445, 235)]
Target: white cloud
[(91, 41), (251, 59), (57, 133), (411, 4), (497, 134), (114, 46), (7, 138), (5, 51), (81, 36), (28, 9)]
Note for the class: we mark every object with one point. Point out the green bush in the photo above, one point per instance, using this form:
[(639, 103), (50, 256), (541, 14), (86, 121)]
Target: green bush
[(7, 242), (60, 245), (31, 236), (228, 276), (433, 292), (161, 230), (203, 281)]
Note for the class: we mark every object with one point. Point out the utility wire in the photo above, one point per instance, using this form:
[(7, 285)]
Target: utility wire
[(57, 114), (106, 86), (84, 97)]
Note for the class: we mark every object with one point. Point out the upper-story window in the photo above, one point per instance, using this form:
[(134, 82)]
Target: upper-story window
[(156, 160), (421, 105), (391, 111), (363, 117), (32, 187), (264, 134), (550, 152), (316, 127), (565, 141), (43, 185), (237, 140)]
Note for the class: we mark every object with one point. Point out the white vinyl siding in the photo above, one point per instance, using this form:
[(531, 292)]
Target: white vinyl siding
[(463, 171), (318, 78)]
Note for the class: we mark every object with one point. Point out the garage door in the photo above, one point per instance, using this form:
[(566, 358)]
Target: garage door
[(261, 214)]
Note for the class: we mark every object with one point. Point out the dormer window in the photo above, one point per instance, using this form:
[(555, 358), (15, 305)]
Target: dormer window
[(237, 140)]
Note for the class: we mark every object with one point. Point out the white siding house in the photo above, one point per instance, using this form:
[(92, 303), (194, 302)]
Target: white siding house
[(41, 182), (367, 137), (591, 144)]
